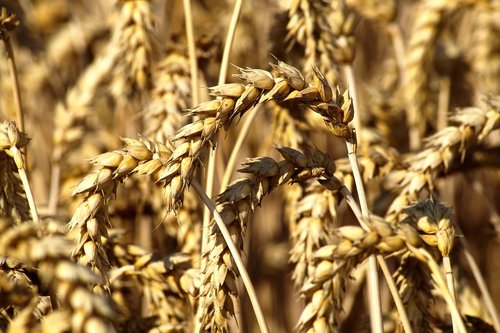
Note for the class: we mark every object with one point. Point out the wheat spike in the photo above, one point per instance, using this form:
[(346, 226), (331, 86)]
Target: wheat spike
[(13, 202), (90, 220), (333, 263), (234, 205), (135, 41), (234, 100), (170, 96), (486, 48), (444, 151), (419, 52), (166, 283)]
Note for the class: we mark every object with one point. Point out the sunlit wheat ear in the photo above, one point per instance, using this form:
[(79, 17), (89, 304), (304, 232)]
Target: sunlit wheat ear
[(90, 222), (445, 151), (433, 221), (235, 204), (352, 245), (234, 99), (49, 256)]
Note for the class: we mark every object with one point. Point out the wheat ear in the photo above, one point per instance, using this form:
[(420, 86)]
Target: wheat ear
[(419, 52), (167, 283), (90, 220), (49, 256), (444, 150), (235, 16), (235, 205), (13, 201)]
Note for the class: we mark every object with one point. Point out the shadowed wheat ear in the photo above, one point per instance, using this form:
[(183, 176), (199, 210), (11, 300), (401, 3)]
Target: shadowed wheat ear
[(445, 150), (170, 96), (235, 204), (13, 201), (306, 21), (166, 283), (136, 46), (82, 310), (70, 121), (485, 46), (418, 59), (432, 221)]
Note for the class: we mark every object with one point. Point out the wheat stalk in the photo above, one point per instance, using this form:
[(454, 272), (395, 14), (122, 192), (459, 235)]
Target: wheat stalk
[(7, 24)]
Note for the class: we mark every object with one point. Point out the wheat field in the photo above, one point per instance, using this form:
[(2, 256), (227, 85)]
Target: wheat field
[(249, 166)]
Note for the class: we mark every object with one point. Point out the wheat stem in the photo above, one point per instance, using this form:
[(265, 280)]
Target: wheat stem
[(451, 284), (443, 288), (222, 78), (476, 272), (16, 153), (228, 172), (373, 285), (351, 80), (11, 63), (236, 257), (229, 41), (443, 102), (193, 65)]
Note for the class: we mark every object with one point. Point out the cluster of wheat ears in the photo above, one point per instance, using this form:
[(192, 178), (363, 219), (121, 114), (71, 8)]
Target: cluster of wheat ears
[(367, 137)]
